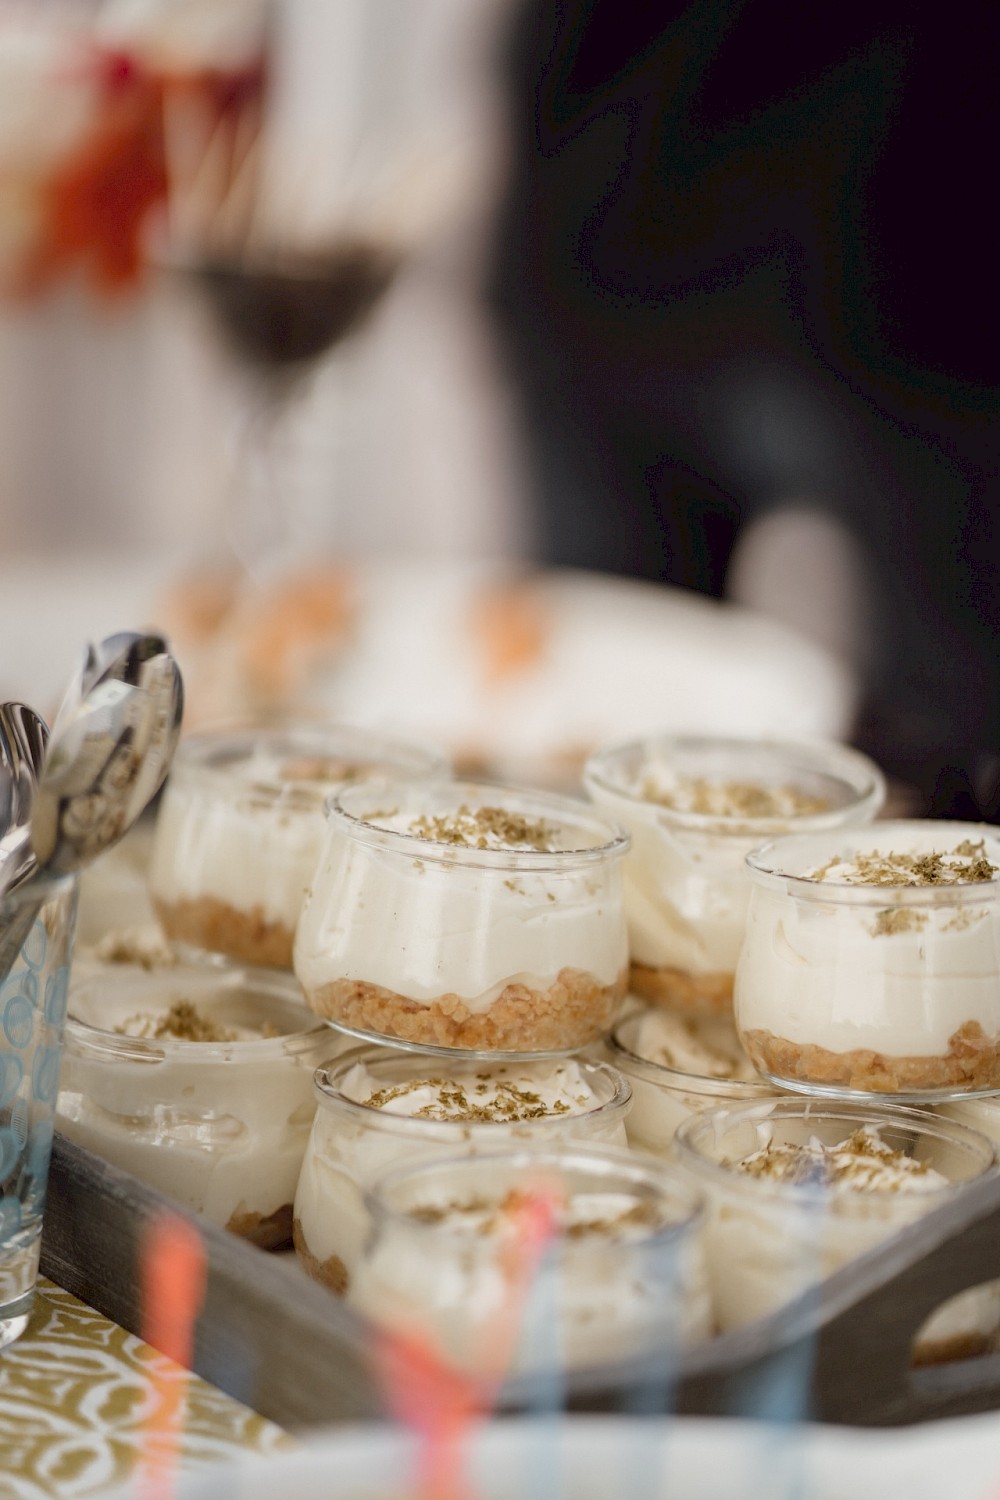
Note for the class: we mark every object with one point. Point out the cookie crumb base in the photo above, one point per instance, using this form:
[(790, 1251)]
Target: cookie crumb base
[(575, 1010), (213, 925), (971, 1064), (331, 1273), (266, 1231), (947, 1351), (697, 994)]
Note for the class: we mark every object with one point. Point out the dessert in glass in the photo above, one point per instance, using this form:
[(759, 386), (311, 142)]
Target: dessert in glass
[(378, 1107), (872, 961), (695, 806), (796, 1188), (525, 1262), (968, 1324), (198, 1081), (678, 1065), (504, 909), (240, 828)]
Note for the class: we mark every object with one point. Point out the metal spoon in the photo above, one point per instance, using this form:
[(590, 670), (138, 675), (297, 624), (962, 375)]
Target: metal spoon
[(23, 738), (107, 758), (109, 751)]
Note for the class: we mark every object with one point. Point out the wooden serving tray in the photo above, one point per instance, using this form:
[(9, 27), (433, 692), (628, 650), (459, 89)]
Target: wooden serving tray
[(283, 1345)]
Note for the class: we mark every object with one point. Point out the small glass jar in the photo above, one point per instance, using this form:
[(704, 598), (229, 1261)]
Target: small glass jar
[(968, 1324), (678, 1065), (240, 827), (695, 805), (524, 1262), (564, 1100), (815, 1194), (867, 970), (465, 915), (215, 1112)]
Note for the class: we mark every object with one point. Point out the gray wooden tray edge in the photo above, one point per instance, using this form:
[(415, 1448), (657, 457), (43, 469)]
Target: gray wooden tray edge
[(273, 1339)]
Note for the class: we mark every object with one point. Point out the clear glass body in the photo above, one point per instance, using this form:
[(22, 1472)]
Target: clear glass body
[(500, 950), (768, 1240), (32, 1016), (695, 806), (240, 827), (857, 990), (352, 1143), (219, 1126), (528, 1262), (664, 1095)]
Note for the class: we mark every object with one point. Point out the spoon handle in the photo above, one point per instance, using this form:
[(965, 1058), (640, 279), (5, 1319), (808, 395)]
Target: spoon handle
[(16, 934)]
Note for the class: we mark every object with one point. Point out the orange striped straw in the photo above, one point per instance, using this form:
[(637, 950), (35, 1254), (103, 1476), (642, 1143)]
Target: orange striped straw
[(426, 1391), (173, 1271)]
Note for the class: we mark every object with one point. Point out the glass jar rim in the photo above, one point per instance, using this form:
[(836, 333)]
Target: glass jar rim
[(98, 1041), (766, 867), (613, 1163), (211, 753), (815, 756), (330, 1096), (567, 811), (917, 1121), (689, 1083)]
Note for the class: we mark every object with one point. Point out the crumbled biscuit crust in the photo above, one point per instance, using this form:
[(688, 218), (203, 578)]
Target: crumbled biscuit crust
[(972, 1063), (697, 994), (219, 928), (575, 1009), (331, 1273)]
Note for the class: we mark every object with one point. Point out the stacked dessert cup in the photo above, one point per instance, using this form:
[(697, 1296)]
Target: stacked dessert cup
[(189, 1053), (468, 1162), (859, 963), (550, 1065)]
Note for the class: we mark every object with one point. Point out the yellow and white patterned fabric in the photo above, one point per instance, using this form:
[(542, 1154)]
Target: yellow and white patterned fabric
[(78, 1408)]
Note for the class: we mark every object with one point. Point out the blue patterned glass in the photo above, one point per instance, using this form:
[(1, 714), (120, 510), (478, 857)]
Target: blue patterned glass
[(32, 1015)]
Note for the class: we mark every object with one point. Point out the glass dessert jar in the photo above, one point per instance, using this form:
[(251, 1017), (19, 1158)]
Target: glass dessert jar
[(465, 915), (521, 1262), (679, 1065), (240, 827), (797, 1188), (872, 961), (695, 806), (968, 1324), (198, 1081), (378, 1107)]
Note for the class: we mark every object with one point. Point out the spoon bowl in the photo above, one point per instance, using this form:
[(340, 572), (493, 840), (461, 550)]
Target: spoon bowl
[(108, 755)]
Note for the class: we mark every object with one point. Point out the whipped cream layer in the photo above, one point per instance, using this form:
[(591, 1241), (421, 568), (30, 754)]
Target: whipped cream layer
[(853, 953), (198, 1085), (250, 853), (704, 1049), (500, 1093), (695, 809), (861, 1163), (678, 1065), (609, 1286), (810, 1195), (243, 824), (377, 1112), (460, 925)]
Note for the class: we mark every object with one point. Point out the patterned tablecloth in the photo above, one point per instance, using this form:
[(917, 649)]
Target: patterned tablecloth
[(78, 1399)]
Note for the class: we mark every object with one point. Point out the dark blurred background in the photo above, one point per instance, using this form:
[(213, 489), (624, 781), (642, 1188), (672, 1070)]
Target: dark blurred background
[(745, 271)]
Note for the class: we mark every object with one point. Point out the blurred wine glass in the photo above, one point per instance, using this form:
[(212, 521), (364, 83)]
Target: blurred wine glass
[(292, 228)]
